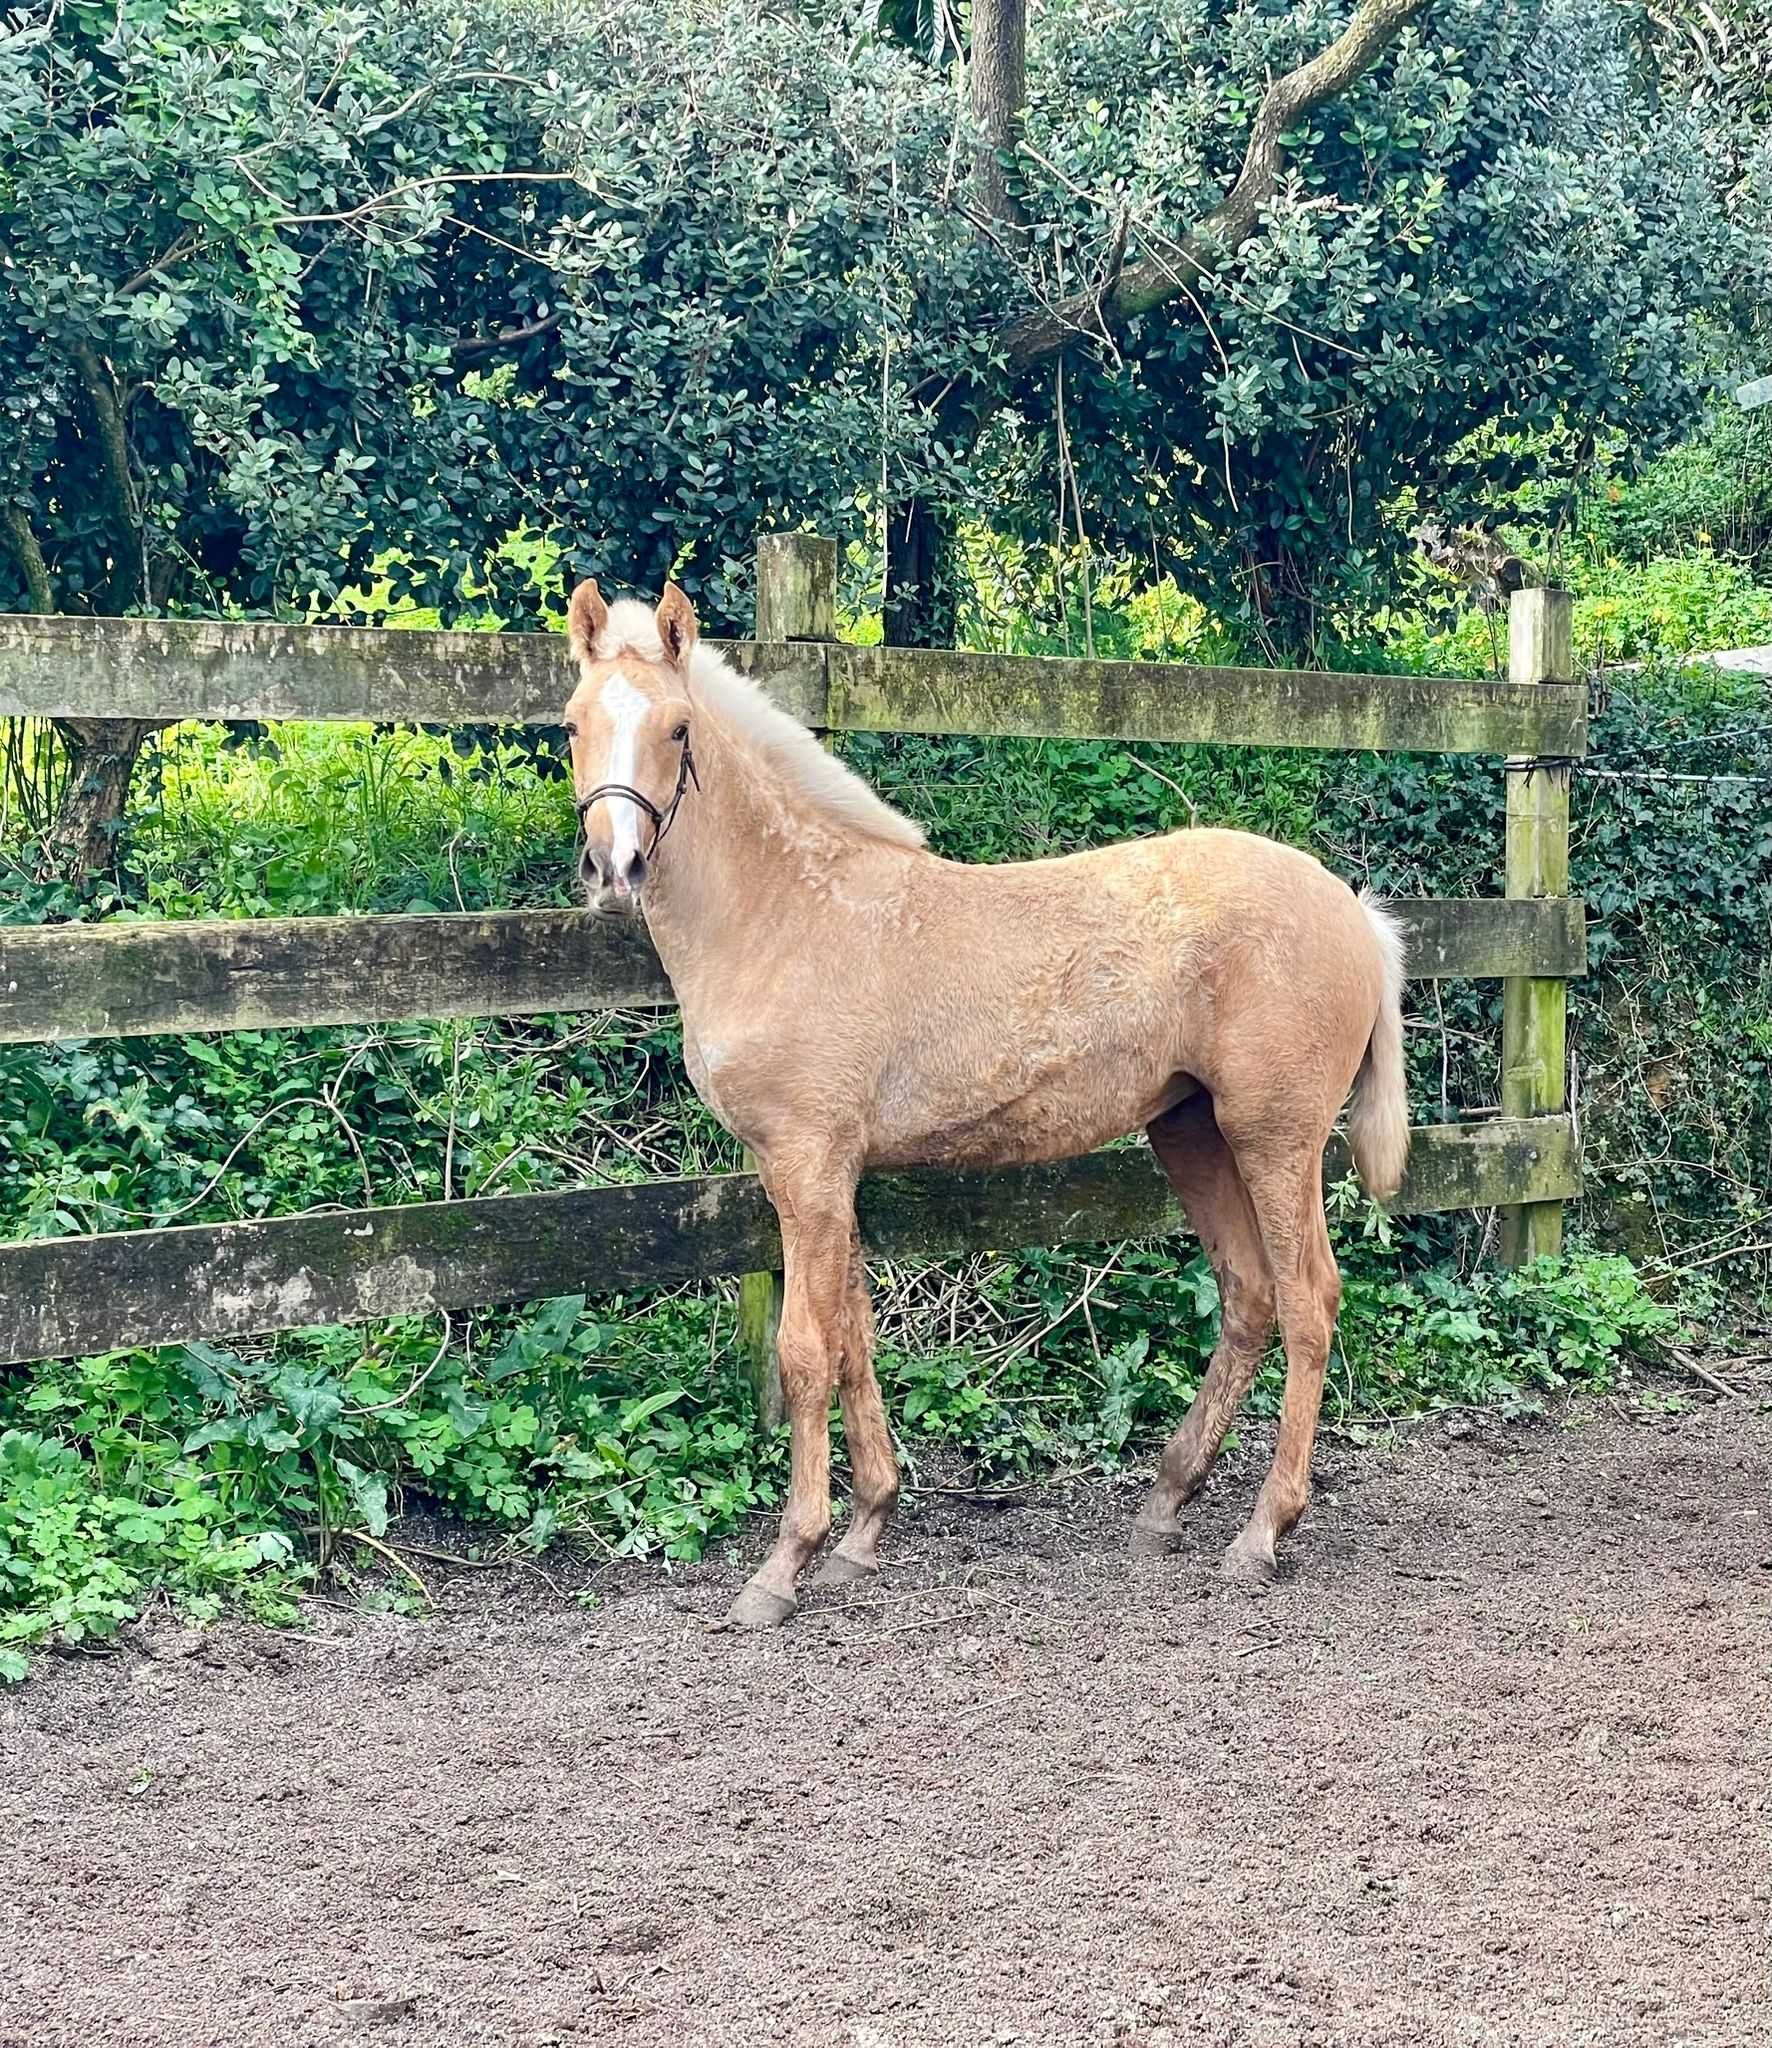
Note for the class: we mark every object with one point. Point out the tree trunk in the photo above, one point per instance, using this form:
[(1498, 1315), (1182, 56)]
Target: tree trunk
[(920, 606), (127, 584), (103, 752), (919, 609), (999, 91), (27, 552)]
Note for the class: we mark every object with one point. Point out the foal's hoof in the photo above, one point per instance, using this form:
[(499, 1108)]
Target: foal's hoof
[(1156, 1539), (757, 1607), (838, 1570), (1244, 1565)]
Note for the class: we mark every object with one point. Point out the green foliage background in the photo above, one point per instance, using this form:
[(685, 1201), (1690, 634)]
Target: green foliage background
[(372, 290)]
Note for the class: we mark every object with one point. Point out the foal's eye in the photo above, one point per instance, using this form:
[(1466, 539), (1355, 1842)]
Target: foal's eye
[(571, 730), (679, 732)]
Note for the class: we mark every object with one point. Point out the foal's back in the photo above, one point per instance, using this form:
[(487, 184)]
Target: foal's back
[(1042, 1008)]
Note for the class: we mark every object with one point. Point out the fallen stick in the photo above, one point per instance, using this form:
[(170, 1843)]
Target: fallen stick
[(1703, 1372)]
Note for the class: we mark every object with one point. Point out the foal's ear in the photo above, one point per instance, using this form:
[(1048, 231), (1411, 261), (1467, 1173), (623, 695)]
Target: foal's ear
[(586, 616), (677, 629)]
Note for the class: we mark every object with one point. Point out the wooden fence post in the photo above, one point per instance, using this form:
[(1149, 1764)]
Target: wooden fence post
[(796, 600), (1534, 1010)]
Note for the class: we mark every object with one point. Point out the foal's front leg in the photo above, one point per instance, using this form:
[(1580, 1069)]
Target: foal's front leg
[(817, 1227), (872, 1466)]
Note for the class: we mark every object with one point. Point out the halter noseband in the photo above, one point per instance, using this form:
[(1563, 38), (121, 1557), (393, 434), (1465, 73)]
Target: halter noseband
[(661, 820)]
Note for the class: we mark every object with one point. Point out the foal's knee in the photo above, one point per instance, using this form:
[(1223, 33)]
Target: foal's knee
[(806, 1357)]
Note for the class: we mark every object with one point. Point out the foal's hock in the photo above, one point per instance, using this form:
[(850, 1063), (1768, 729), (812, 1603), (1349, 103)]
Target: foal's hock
[(850, 1000)]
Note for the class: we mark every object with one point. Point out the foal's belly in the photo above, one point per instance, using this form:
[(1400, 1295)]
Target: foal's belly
[(1056, 1120)]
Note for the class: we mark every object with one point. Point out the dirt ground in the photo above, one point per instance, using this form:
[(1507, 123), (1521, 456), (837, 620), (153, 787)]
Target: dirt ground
[(1490, 1766)]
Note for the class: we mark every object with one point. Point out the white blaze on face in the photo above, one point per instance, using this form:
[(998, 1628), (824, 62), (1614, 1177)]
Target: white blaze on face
[(624, 707)]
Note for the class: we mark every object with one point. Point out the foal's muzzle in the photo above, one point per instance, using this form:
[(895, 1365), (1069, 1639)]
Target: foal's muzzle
[(610, 887)]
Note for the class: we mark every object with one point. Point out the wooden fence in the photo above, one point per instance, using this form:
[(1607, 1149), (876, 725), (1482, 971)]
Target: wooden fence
[(65, 1296)]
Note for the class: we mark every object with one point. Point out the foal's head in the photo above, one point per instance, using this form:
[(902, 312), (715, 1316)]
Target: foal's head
[(628, 723)]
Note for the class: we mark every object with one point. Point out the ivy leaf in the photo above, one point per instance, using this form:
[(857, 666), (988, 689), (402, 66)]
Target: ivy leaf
[(369, 1495)]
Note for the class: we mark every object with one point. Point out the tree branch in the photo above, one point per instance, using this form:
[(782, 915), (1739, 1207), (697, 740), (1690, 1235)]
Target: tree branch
[(26, 550), (1152, 280), (188, 243), (302, 220), (129, 581), (433, 86), (180, 247), (508, 337)]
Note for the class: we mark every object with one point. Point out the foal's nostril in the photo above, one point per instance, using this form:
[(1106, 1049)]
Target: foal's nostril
[(635, 873), (590, 868)]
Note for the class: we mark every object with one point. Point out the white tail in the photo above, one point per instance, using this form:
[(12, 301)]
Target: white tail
[(1378, 1122)]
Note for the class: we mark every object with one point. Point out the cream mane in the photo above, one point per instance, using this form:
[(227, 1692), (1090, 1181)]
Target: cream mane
[(780, 742)]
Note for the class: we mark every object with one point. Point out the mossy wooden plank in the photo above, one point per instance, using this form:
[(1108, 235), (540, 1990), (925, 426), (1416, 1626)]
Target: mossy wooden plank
[(65, 1296), (1488, 936), (1534, 1037), (905, 689), (184, 668), (796, 600), (193, 668), (1123, 1193), (1094, 1200), (127, 980), (122, 980), (1477, 1166)]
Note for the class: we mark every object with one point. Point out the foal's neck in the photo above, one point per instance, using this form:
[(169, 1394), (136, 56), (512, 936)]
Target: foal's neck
[(743, 855)]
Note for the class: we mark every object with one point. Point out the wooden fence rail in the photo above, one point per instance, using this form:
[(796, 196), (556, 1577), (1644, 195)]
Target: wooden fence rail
[(61, 1296), (253, 974), (172, 669), (69, 1295)]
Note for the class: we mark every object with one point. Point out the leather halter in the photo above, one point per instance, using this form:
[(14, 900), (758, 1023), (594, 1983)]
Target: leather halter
[(661, 820)]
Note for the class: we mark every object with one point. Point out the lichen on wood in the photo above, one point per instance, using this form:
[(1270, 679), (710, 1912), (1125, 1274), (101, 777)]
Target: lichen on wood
[(906, 689), (64, 1296)]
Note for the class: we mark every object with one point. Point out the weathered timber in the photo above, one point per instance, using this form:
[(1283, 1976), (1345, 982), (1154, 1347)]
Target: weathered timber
[(193, 668), (796, 600), (910, 689), (184, 668), (71, 1295), (1119, 1194), (62, 1297), (124, 980), (1534, 1008), (796, 590), (257, 974), (1449, 937)]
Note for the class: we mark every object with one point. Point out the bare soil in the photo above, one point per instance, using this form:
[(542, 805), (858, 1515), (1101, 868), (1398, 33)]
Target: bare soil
[(1488, 1767)]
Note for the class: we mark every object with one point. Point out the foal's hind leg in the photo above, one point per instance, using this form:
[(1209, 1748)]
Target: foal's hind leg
[(873, 1468), (1285, 1183), (1193, 1153)]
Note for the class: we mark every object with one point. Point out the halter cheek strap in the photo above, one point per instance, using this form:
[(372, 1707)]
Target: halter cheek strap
[(661, 820)]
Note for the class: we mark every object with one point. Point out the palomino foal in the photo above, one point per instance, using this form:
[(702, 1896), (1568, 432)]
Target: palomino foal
[(851, 1001)]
